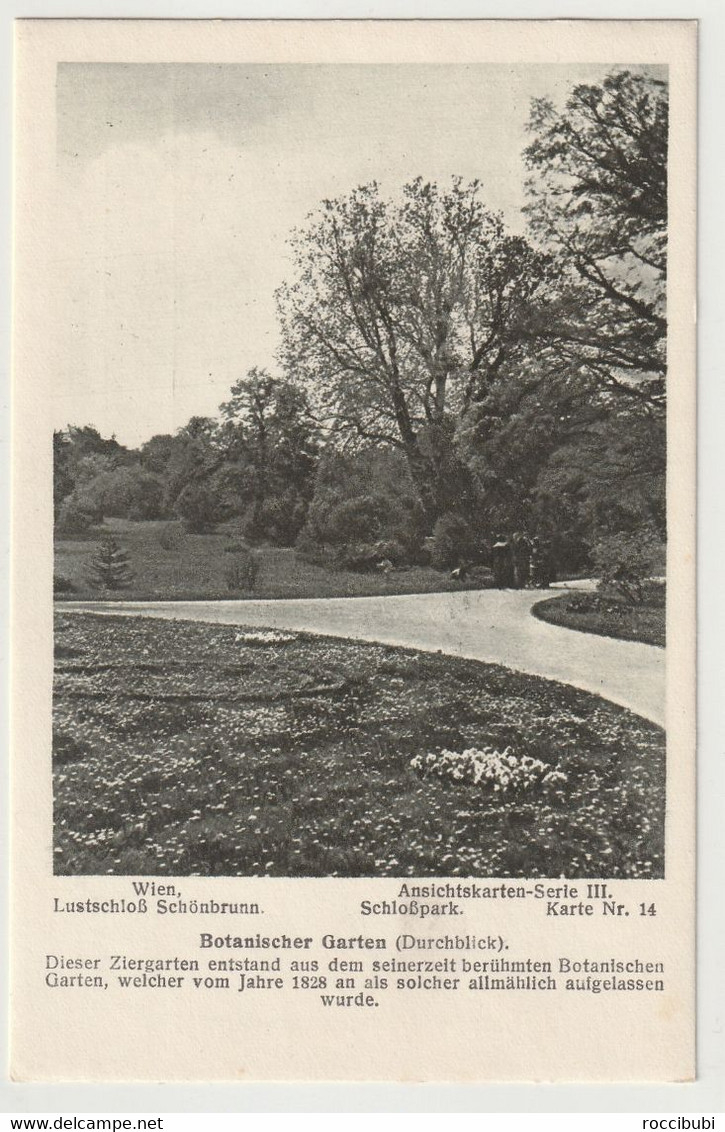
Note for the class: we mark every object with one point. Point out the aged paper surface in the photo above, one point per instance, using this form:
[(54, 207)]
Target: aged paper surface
[(371, 951)]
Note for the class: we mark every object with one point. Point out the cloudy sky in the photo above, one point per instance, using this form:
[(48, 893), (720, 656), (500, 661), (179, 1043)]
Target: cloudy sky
[(178, 185)]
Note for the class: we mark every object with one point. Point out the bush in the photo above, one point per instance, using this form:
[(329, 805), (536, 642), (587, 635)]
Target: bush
[(62, 585), (278, 519), (142, 493), (241, 572), (362, 556), (109, 566), (311, 550), (342, 532), (625, 562), (73, 519), (481, 576), (361, 501), (199, 508), (123, 493), (390, 550), (170, 537), (453, 542), (356, 520)]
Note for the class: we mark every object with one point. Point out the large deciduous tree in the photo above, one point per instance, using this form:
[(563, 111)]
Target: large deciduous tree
[(271, 451), (191, 455), (401, 316), (598, 202)]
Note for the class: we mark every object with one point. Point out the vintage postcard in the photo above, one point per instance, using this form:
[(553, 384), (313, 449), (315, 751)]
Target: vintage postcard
[(353, 544)]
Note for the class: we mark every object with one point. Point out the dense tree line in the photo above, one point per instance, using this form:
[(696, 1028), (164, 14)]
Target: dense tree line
[(436, 369), (256, 463)]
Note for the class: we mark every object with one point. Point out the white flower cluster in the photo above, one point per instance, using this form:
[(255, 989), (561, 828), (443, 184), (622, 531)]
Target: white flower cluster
[(500, 771), (264, 637)]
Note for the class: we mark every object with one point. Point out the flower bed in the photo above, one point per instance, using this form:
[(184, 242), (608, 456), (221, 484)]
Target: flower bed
[(490, 769), (264, 637), (181, 749)]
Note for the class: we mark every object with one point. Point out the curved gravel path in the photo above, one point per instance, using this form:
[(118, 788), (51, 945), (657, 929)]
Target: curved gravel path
[(489, 625)]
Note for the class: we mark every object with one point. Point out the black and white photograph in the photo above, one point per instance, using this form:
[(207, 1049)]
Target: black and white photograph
[(360, 470), (353, 557)]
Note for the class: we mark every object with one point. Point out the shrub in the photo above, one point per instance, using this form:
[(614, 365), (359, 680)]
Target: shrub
[(625, 562), (361, 556), (241, 572), (199, 508), (144, 494), (356, 520), (278, 519), (62, 585), (361, 500), (109, 566), (452, 542), (170, 537), (311, 550), (390, 550), (410, 530), (73, 519), (481, 576)]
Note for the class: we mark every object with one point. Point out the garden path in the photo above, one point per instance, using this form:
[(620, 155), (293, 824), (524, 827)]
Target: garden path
[(488, 625)]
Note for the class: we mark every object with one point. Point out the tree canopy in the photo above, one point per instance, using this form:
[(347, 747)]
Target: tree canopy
[(270, 448), (598, 203), (401, 315)]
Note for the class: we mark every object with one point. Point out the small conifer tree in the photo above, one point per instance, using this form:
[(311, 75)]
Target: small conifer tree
[(109, 566)]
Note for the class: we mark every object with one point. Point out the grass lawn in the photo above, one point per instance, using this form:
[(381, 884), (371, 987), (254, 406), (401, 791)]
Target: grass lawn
[(189, 749), (608, 615), (168, 563)]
